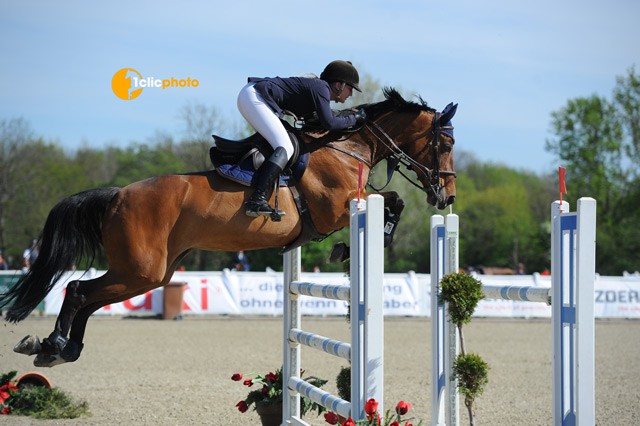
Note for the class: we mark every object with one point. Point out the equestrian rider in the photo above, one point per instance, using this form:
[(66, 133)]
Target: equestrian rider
[(262, 103)]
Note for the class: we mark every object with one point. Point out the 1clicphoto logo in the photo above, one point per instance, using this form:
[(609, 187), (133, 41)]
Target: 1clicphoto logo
[(128, 83)]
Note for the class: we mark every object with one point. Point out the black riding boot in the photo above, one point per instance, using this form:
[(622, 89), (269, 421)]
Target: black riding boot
[(257, 204)]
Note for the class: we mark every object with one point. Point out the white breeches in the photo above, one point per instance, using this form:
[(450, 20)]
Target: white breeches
[(256, 111)]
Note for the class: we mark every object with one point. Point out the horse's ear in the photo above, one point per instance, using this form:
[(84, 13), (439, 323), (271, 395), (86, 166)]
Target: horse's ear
[(447, 113)]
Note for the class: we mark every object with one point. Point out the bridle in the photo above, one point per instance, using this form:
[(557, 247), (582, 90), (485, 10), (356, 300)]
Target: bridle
[(398, 156)]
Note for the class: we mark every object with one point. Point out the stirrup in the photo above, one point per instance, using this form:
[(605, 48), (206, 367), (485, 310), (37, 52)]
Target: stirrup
[(255, 209)]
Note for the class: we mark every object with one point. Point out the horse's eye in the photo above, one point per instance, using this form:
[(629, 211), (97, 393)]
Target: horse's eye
[(446, 147)]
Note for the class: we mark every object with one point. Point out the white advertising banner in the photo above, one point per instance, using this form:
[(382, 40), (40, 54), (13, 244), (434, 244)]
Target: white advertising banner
[(260, 293)]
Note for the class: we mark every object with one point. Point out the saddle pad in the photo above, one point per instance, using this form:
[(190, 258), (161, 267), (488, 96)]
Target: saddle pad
[(243, 172)]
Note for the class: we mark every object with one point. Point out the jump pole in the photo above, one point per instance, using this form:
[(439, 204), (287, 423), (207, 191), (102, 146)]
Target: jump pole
[(365, 294), (573, 251), (572, 299), (444, 335)]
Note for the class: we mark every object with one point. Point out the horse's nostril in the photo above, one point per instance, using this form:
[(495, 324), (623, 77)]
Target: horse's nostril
[(451, 199)]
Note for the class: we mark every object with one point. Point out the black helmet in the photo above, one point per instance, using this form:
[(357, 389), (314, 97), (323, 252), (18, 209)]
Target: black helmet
[(342, 71)]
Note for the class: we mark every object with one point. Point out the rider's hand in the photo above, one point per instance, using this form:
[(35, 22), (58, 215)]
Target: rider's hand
[(360, 116)]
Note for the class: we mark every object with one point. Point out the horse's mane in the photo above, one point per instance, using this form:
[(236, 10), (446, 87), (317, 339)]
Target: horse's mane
[(395, 102)]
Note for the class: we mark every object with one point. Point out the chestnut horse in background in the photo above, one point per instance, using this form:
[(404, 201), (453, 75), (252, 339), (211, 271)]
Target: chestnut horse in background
[(147, 227)]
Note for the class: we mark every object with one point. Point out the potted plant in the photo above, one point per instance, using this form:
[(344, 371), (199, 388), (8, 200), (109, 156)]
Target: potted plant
[(463, 292), (32, 395), (266, 398)]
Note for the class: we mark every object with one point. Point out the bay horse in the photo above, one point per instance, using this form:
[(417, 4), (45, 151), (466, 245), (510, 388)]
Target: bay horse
[(147, 227)]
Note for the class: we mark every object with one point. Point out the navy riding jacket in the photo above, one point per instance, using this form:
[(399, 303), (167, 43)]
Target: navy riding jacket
[(302, 96)]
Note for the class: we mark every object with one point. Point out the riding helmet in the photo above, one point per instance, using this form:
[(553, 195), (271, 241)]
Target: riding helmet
[(343, 71)]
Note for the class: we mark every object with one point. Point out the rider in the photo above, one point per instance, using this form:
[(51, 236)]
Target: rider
[(262, 103)]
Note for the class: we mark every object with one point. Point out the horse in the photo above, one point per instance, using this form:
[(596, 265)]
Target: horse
[(147, 227)]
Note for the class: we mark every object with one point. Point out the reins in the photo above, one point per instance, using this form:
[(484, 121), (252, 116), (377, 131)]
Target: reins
[(398, 156), (432, 174)]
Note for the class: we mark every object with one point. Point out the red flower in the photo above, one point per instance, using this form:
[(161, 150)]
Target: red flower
[(11, 387), (403, 408), (6, 410), (349, 422), (236, 377), (248, 382), (265, 390), (272, 377), (242, 406), (331, 418), (371, 406), (5, 391), (394, 423), (408, 424)]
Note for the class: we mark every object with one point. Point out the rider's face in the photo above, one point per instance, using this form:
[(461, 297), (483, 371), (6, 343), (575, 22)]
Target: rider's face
[(341, 91)]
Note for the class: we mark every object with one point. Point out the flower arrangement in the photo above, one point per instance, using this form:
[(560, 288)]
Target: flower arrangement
[(268, 391), (343, 383), (373, 417), (8, 390), (37, 401)]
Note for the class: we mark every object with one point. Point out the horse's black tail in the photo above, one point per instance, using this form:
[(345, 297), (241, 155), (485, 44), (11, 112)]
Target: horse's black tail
[(73, 231)]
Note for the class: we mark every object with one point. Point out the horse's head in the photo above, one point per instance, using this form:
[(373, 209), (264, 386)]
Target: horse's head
[(420, 138)]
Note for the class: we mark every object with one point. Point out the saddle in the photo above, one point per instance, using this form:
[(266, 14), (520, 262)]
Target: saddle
[(238, 161)]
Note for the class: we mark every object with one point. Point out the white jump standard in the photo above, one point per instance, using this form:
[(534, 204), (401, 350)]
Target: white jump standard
[(365, 294), (573, 238)]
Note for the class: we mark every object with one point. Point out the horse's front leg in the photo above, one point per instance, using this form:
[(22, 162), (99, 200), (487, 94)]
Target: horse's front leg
[(56, 349), (393, 206)]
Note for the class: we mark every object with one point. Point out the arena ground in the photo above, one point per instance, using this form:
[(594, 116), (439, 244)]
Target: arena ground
[(139, 371)]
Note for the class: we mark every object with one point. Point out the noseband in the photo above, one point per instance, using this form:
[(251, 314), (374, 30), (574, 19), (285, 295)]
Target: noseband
[(433, 174)]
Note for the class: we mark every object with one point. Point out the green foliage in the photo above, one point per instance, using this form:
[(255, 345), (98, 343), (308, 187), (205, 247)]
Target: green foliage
[(472, 374), (598, 140), (588, 141), (5, 378), (504, 212), (503, 215), (269, 391), (38, 401), (43, 403), (462, 292), (343, 383)]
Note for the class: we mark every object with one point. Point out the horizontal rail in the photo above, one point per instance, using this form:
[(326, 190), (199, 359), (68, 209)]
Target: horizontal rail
[(510, 292), (315, 394), (325, 344), (327, 291)]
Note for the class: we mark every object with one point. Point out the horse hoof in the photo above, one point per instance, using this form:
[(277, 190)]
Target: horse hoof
[(339, 253), (29, 345), (47, 360)]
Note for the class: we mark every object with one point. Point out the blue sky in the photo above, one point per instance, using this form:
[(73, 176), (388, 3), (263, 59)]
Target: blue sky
[(508, 64)]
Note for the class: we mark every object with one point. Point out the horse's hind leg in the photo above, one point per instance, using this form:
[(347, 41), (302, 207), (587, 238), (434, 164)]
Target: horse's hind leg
[(57, 349)]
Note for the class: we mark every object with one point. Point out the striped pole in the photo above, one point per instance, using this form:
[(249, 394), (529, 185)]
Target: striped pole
[(365, 294), (571, 296)]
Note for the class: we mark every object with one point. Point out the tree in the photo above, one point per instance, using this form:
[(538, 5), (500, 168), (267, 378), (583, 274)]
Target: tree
[(43, 177), (14, 134), (626, 97), (504, 216), (462, 293), (200, 123), (598, 141), (589, 142)]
